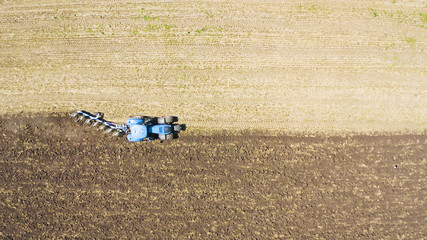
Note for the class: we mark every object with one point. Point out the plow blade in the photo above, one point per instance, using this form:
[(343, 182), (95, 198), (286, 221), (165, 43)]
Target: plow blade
[(94, 120)]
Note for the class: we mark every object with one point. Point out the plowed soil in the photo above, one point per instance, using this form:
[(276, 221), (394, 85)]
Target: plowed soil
[(62, 180)]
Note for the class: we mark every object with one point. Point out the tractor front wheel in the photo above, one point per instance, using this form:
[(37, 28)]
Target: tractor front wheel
[(177, 128)]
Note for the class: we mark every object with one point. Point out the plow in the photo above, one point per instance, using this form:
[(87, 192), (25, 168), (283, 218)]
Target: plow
[(136, 128)]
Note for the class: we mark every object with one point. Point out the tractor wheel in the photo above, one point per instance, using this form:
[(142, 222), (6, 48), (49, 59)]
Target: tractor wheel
[(169, 119), (176, 128), (161, 120)]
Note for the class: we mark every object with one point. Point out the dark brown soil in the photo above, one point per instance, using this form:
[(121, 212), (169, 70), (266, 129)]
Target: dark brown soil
[(57, 181)]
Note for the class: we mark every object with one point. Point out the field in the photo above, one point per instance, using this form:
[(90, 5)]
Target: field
[(318, 66), (59, 182), (305, 119)]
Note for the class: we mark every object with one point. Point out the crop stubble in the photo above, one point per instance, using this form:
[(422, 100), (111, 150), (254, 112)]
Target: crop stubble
[(293, 65), (57, 181)]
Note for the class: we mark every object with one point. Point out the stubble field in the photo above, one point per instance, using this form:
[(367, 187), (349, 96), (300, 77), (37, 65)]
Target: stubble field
[(354, 66)]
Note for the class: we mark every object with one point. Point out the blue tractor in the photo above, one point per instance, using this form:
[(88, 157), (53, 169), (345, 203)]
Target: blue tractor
[(137, 128)]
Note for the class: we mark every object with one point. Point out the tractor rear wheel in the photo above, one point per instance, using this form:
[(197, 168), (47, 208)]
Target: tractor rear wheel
[(167, 120)]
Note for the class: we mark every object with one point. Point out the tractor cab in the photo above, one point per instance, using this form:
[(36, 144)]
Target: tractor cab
[(146, 128)]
